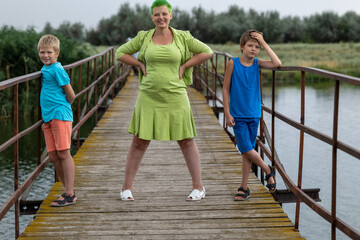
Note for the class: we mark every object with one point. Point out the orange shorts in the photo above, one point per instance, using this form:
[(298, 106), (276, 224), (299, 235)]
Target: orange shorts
[(57, 135)]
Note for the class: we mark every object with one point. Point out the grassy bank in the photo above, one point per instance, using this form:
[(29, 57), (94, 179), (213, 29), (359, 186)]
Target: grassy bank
[(336, 57)]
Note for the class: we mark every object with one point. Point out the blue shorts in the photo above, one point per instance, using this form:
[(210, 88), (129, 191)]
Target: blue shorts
[(245, 130)]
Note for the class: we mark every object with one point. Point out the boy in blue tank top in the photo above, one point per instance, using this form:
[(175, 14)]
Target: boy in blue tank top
[(55, 101), (242, 104)]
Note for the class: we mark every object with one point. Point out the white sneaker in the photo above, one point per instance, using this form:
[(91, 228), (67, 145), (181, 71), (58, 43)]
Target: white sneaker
[(196, 195)]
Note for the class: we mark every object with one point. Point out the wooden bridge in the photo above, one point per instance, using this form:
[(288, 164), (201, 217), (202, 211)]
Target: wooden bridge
[(161, 186)]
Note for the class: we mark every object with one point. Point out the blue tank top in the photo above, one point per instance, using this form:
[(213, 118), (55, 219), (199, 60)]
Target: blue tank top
[(245, 99)]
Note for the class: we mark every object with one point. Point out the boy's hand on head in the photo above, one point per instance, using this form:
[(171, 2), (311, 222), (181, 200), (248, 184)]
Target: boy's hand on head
[(258, 37)]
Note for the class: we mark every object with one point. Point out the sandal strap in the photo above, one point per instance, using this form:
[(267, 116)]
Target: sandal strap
[(62, 195), (244, 195), (240, 195), (196, 194), (271, 174), (243, 190), (67, 199)]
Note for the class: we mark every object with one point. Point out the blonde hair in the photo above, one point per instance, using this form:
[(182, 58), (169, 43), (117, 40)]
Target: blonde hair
[(49, 41)]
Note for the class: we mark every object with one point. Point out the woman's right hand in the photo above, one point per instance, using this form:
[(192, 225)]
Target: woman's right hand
[(142, 68), (229, 120)]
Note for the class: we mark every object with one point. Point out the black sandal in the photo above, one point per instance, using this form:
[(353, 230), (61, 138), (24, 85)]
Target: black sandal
[(244, 195), (271, 186), (68, 200)]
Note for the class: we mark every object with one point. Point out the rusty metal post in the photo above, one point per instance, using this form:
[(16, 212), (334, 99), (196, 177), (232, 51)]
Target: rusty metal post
[(215, 89), (301, 150), (79, 108), (273, 119), (103, 60), (334, 159), (261, 126), (87, 84), (95, 91), (16, 155), (113, 71), (207, 83), (39, 128)]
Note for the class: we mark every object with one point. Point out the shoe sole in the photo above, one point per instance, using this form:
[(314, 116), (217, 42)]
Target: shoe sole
[(243, 199), (197, 199)]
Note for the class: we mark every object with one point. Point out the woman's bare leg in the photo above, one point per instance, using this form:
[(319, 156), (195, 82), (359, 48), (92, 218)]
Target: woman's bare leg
[(135, 154), (192, 158)]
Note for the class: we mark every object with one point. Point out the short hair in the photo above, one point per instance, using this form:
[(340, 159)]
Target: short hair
[(246, 37), (159, 3), (49, 41)]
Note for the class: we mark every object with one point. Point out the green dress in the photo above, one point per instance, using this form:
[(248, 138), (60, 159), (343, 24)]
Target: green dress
[(162, 110)]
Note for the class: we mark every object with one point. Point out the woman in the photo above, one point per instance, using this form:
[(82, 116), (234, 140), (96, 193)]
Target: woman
[(162, 110)]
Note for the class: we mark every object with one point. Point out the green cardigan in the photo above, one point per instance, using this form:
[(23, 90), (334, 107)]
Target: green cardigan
[(186, 43)]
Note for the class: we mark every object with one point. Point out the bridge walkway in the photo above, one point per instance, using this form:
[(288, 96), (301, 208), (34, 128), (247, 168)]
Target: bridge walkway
[(161, 186)]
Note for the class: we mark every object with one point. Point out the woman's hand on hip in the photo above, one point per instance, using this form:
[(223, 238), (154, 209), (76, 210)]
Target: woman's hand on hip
[(142, 68), (181, 71)]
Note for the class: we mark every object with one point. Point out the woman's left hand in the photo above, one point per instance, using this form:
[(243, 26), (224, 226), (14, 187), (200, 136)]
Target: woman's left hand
[(181, 71)]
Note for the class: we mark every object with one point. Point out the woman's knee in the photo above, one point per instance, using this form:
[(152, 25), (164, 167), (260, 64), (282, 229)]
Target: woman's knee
[(139, 143), (186, 142)]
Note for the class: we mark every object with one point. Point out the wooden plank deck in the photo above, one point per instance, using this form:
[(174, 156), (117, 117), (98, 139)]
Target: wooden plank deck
[(161, 186)]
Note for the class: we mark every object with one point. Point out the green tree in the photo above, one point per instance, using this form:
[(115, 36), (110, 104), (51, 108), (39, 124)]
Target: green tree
[(349, 27), (73, 31), (181, 19), (229, 26), (48, 29), (270, 24), (293, 29), (201, 24), (323, 27)]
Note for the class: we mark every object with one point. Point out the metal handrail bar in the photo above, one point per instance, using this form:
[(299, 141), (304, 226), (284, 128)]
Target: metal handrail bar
[(95, 108), (22, 188), (348, 230), (24, 78), (12, 140), (316, 134)]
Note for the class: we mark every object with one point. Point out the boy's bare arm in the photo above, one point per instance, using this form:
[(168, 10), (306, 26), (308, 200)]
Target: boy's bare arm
[(225, 93), (275, 61), (70, 95)]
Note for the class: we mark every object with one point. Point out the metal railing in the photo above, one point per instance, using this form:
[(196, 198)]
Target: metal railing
[(95, 79), (208, 80)]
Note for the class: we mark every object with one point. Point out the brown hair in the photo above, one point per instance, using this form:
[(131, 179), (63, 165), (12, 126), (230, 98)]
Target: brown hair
[(247, 36), (49, 41)]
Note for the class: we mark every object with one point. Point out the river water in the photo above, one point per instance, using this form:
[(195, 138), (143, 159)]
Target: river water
[(317, 159), (318, 155)]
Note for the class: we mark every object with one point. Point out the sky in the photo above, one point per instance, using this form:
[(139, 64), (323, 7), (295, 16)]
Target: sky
[(24, 13)]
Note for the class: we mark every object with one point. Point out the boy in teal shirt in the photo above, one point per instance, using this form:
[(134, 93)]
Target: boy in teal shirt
[(55, 100)]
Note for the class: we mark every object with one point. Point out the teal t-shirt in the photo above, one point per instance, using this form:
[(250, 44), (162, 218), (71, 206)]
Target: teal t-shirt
[(52, 97)]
